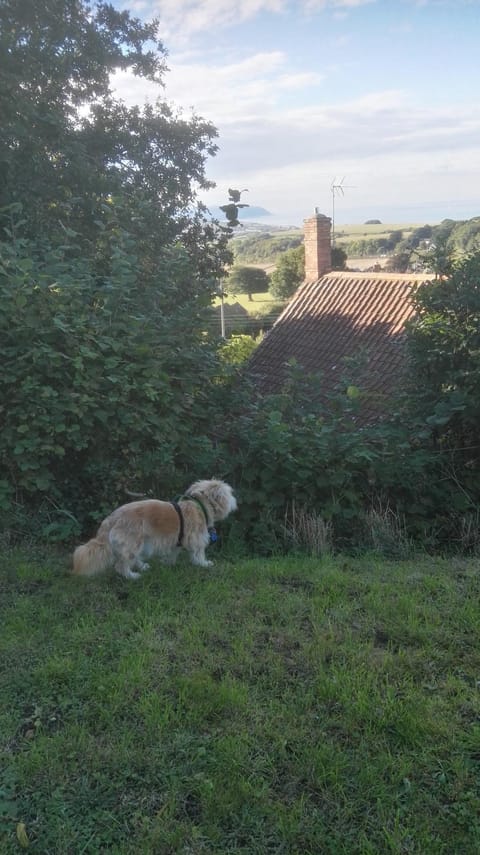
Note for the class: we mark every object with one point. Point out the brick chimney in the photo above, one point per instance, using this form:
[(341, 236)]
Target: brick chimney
[(318, 246)]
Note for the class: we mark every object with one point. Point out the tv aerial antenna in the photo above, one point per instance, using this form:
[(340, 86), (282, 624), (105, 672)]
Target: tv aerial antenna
[(337, 189)]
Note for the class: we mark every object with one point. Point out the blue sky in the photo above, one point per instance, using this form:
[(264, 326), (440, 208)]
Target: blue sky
[(381, 93)]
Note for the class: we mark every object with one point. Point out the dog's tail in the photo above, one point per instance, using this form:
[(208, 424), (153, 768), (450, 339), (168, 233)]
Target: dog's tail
[(92, 557)]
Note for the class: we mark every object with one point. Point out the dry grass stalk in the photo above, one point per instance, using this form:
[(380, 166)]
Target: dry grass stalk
[(308, 531)]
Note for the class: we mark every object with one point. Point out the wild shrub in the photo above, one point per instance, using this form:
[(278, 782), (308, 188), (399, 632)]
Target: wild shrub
[(444, 343), (110, 387), (444, 346), (238, 348), (103, 386), (107, 262), (288, 449)]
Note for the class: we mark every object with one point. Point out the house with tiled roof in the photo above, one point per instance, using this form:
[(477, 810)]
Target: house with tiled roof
[(340, 319)]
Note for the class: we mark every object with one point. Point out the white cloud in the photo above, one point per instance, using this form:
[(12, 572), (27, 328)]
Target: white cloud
[(298, 80), (284, 133), (259, 130), (237, 92), (388, 150), (181, 18), (425, 187), (316, 5)]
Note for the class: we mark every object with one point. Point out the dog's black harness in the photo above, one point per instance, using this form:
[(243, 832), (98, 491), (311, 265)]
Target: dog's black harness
[(212, 532), (182, 524)]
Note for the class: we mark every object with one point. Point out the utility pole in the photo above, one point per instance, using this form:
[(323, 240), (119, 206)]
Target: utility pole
[(222, 310)]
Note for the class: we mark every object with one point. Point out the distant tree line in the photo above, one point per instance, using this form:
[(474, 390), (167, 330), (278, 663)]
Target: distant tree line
[(264, 248), (425, 247)]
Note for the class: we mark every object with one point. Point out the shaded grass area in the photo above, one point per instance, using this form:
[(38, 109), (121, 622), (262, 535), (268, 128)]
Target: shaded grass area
[(263, 301), (280, 706)]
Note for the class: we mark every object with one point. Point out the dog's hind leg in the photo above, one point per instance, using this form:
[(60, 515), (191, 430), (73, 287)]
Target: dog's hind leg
[(123, 569), (126, 548), (197, 556)]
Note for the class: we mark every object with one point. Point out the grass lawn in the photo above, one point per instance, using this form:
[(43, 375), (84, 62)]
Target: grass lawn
[(262, 302), (259, 706)]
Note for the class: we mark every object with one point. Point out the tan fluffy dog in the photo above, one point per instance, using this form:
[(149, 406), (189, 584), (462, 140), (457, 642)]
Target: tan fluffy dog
[(152, 527)]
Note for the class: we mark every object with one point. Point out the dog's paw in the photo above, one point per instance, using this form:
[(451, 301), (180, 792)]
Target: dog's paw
[(142, 566), (199, 560)]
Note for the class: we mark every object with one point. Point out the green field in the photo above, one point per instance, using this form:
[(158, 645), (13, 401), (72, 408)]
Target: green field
[(345, 233), (264, 249), (353, 231), (260, 706), (259, 302)]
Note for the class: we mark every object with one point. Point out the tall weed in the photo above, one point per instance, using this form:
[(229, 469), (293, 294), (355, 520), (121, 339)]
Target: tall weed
[(307, 531)]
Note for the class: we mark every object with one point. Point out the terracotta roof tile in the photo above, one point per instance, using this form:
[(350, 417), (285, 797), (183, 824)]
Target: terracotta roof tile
[(341, 315)]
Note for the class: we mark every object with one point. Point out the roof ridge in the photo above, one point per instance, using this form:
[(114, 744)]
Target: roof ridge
[(370, 274)]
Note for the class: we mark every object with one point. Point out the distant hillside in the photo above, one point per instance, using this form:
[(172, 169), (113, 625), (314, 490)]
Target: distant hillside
[(456, 236), (249, 213), (265, 247)]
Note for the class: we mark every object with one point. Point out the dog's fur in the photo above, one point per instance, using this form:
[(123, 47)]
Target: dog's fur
[(151, 527)]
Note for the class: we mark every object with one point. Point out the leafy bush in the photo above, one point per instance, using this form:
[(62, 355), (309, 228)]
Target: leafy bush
[(288, 449), (444, 342), (104, 387), (238, 349), (254, 323), (107, 264)]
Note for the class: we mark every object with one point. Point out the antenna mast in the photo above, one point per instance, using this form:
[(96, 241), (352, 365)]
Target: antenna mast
[(337, 190)]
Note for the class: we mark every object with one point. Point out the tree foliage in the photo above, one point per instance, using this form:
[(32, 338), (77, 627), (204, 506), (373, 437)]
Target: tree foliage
[(68, 146), (444, 342), (247, 280), (264, 247), (289, 273), (107, 266), (102, 388), (339, 258), (399, 262)]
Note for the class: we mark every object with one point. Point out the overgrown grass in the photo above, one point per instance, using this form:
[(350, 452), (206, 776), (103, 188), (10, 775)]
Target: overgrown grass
[(281, 706)]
